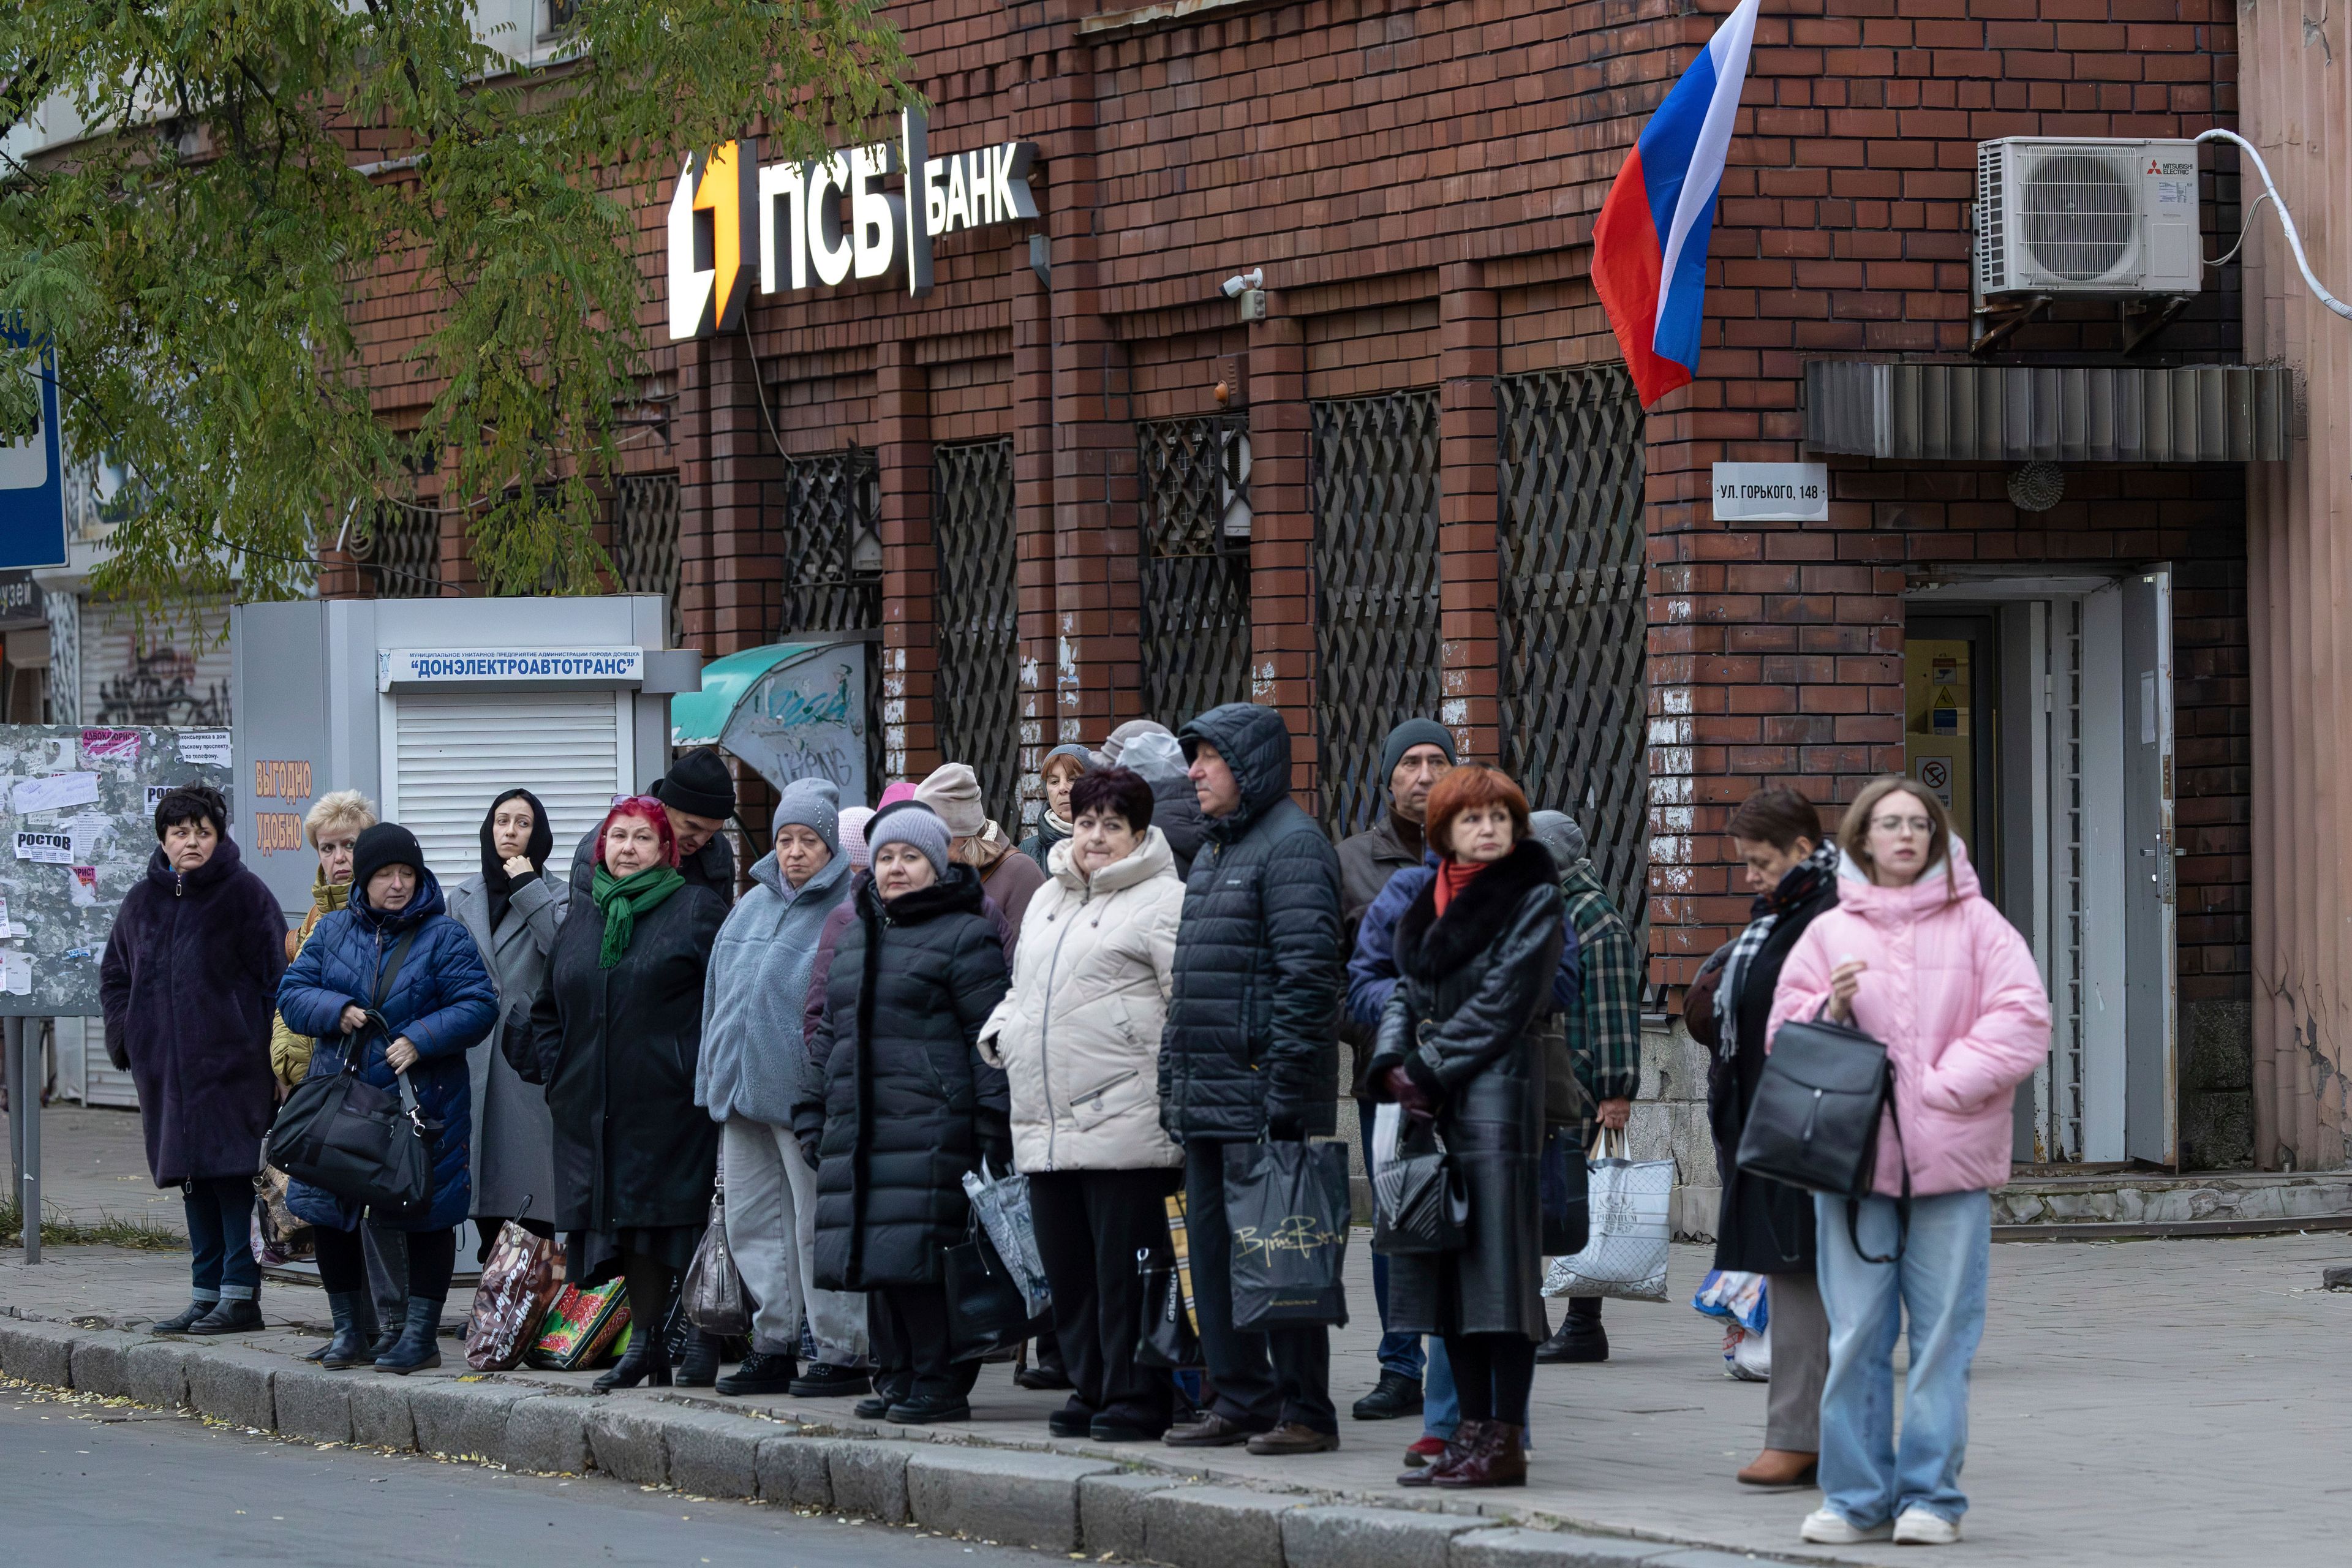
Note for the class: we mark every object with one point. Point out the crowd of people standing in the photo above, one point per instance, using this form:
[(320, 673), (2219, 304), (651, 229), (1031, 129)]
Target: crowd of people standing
[(1162, 971)]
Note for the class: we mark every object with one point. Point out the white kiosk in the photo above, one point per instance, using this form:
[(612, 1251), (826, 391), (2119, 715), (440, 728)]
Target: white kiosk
[(432, 706)]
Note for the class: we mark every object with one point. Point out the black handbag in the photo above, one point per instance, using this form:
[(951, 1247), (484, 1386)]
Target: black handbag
[(1814, 1121), (1165, 1338), (344, 1135), (1420, 1203), (986, 1312)]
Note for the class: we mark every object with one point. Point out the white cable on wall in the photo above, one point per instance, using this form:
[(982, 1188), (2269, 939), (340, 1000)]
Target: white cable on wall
[(2286, 220)]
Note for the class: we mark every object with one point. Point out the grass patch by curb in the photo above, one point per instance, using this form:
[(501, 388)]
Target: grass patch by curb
[(139, 1235)]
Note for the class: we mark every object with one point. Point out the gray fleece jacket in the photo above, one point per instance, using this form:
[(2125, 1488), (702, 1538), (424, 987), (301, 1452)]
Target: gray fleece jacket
[(759, 975)]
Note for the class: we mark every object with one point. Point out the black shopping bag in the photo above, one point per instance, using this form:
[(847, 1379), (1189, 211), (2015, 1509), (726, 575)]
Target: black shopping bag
[(1562, 1185), (1165, 1337), (1286, 1215), (986, 1312)]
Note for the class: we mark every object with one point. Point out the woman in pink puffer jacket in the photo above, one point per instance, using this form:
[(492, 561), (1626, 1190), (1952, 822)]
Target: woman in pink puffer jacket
[(1915, 957)]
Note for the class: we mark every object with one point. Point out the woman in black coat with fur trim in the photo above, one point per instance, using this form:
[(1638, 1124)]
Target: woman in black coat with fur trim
[(1476, 951)]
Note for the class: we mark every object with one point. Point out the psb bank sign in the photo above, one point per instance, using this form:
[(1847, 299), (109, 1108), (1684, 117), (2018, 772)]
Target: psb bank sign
[(802, 226)]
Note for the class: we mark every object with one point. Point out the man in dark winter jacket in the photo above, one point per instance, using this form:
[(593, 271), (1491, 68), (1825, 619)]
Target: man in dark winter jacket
[(700, 796), (188, 985), (1417, 753), (1250, 1051)]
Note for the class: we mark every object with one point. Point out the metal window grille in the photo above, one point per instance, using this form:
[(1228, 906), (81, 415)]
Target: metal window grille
[(833, 550), (1194, 571), (399, 551), (1573, 621), (975, 701), (1376, 587), (645, 542), (833, 565)]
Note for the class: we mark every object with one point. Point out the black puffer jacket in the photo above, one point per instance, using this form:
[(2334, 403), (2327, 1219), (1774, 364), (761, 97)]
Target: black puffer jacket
[(1472, 984), (1251, 1040), (900, 1104), (617, 1048)]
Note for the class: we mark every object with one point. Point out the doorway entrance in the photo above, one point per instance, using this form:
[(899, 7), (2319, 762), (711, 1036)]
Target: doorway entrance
[(2039, 709)]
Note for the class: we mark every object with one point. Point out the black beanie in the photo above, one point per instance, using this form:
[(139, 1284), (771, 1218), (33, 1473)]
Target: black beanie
[(385, 844), (698, 785)]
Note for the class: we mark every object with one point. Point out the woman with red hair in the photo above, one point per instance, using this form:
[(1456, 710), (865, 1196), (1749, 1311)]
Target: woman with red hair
[(614, 1035), (1475, 953)]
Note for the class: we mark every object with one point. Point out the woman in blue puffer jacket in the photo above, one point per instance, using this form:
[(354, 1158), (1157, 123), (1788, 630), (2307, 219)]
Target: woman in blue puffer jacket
[(439, 1002)]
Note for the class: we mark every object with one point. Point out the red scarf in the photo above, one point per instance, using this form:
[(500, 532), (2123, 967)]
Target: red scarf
[(1453, 876)]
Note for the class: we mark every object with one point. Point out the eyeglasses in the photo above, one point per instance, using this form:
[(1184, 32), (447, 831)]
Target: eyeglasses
[(1918, 825)]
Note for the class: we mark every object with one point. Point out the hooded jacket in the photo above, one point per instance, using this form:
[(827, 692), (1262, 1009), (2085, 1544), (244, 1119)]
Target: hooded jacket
[(442, 999), (753, 1060), (1158, 760), (1251, 1045), (190, 969), (1952, 993), (1078, 1033), (899, 1104)]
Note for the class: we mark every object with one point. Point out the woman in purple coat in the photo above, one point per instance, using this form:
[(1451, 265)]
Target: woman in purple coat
[(188, 983)]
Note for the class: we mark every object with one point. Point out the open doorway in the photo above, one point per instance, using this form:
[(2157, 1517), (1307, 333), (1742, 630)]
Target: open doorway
[(2040, 709)]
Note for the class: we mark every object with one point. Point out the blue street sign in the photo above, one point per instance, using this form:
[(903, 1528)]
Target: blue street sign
[(32, 481)]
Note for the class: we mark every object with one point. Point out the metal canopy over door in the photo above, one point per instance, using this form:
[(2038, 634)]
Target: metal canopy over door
[(2152, 1092), (453, 753)]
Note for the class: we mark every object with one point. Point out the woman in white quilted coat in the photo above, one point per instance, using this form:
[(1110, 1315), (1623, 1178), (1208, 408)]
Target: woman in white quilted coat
[(1078, 1037)]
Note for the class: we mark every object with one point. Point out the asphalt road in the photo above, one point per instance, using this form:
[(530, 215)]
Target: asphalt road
[(85, 1484)]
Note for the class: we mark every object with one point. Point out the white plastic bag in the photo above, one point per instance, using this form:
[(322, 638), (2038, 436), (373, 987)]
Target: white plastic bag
[(1627, 1257), (1388, 1124), (1746, 1355)]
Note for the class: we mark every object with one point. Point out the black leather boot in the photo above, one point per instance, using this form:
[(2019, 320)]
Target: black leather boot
[(353, 1332), (419, 1345), (241, 1315), (186, 1321), (699, 1367), (1580, 1337), (646, 1361)]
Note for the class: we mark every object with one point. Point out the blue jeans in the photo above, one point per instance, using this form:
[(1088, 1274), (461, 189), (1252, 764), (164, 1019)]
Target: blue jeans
[(1400, 1353), (1940, 1282), (220, 1238)]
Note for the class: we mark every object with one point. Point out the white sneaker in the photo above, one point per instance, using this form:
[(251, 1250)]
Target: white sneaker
[(1827, 1527), (1918, 1527)]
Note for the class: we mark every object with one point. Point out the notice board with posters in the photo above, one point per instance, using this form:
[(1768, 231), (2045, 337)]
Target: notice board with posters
[(78, 823)]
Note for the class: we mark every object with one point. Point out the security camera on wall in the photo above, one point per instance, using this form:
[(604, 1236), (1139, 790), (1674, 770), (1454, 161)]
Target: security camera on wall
[(1241, 282)]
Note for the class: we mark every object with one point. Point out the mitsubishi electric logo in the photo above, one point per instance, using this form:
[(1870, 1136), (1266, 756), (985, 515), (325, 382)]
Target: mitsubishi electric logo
[(800, 225)]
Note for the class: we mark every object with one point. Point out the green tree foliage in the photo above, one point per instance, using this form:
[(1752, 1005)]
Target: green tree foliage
[(262, 175)]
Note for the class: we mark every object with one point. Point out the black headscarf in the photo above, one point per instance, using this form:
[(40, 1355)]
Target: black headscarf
[(495, 880)]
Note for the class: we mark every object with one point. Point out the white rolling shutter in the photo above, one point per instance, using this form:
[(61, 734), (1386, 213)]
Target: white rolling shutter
[(453, 753)]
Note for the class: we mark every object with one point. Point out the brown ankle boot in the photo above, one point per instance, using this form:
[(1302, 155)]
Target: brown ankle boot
[(1780, 1467), (1496, 1458)]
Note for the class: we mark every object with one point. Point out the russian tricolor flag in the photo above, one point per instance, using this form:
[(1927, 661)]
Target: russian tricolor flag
[(1649, 249)]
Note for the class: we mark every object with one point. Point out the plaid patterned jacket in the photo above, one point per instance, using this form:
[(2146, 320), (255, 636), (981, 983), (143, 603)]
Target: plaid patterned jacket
[(1604, 1035)]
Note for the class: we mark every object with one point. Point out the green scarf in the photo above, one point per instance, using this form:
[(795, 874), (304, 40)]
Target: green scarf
[(624, 899)]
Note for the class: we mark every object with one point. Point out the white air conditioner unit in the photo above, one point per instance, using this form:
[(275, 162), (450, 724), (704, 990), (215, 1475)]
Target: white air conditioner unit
[(2102, 218)]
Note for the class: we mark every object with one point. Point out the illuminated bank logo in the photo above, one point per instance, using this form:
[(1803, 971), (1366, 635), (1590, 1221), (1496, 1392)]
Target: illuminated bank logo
[(856, 215)]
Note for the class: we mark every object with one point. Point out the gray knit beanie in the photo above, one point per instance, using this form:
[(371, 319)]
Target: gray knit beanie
[(812, 804), (1406, 736), (909, 822)]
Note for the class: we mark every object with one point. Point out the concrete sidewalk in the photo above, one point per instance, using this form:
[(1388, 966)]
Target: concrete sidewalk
[(2135, 1402), (2155, 1402)]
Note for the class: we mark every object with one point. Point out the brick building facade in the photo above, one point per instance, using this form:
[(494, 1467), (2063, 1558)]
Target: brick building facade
[(1450, 502)]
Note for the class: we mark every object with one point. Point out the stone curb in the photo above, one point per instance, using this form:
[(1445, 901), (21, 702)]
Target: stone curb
[(1045, 1500)]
